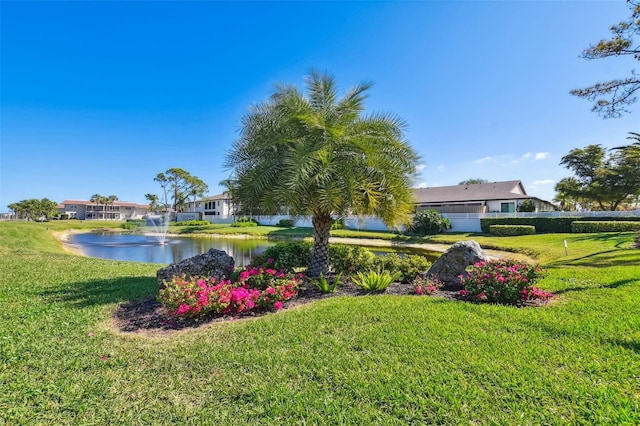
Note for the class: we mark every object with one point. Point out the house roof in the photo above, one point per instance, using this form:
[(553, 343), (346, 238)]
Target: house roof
[(507, 190), (89, 203)]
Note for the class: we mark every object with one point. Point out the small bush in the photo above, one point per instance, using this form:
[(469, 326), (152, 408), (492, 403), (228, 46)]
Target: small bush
[(286, 255), (581, 226), (511, 230), (337, 224), (375, 281), (285, 223), (502, 281), (244, 222), (191, 223), (133, 224), (409, 266), (324, 285), (350, 259), (422, 285), (429, 222), (195, 296)]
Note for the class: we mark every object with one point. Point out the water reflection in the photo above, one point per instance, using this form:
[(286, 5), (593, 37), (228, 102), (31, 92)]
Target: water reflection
[(142, 248)]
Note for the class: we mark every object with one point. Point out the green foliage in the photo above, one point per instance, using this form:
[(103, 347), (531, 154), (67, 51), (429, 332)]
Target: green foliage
[(526, 206), (244, 222), (286, 255), (133, 224), (546, 225), (511, 230), (583, 226), (316, 153), (33, 209), (474, 181), (191, 223), (347, 259), (611, 98), (178, 186), (337, 224), (608, 180), (409, 266), (429, 222), (503, 281), (324, 285), (285, 223), (375, 281)]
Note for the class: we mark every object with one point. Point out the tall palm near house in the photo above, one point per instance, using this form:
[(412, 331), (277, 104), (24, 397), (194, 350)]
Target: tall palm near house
[(318, 155), (110, 200), (98, 199)]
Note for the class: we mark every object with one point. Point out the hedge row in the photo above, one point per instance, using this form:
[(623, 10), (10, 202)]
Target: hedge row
[(547, 225), (511, 230), (599, 226)]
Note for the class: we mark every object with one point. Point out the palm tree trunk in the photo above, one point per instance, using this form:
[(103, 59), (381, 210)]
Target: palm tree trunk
[(320, 251)]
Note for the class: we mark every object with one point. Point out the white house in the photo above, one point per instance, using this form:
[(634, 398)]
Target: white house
[(87, 210), (494, 197), (216, 208)]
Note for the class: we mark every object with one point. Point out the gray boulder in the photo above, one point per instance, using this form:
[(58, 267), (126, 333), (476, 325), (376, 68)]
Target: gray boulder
[(454, 262), (214, 263)]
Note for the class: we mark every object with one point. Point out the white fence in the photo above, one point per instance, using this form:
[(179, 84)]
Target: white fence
[(460, 222)]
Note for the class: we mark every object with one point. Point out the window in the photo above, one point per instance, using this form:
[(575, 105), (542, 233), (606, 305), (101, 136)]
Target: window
[(507, 207)]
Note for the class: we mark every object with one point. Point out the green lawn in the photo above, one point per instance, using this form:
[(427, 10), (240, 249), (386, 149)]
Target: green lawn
[(365, 360)]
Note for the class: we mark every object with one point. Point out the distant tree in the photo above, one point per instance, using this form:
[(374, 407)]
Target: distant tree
[(527, 206), (178, 185), (607, 180), (33, 209), (611, 98), (318, 155), (99, 200), (473, 181), (429, 222), (154, 205)]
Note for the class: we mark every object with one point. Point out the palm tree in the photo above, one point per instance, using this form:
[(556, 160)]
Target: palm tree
[(98, 199), (318, 155), (229, 188), (110, 200)]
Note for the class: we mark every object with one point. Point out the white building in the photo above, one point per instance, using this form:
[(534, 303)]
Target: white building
[(87, 210), (216, 208)]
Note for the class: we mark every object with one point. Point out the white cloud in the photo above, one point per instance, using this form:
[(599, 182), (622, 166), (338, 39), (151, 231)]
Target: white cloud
[(541, 155), (527, 155), (441, 168), (420, 167), (482, 160), (422, 185), (543, 182)]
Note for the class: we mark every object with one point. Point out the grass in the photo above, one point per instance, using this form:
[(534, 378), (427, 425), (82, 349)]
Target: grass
[(365, 360)]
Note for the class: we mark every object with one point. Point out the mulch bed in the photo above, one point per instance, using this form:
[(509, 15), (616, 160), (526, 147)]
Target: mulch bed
[(148, 315)]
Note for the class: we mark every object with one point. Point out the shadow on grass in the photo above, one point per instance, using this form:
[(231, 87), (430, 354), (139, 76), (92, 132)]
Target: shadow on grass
[(102, 292), (602, 259), (633, 345), (615, 284)]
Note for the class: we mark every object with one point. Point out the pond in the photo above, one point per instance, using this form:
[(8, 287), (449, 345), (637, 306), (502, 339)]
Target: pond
[(146, 248)]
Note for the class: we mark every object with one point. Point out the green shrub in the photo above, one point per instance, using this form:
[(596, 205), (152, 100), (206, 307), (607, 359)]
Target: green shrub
[(286, 255), (350, 259), (191, 223), (547, 225), (580, 226), (527, 206), (324, 285), (409, 266), (428, 222), (511, 230), (337, 224), (285, 223), (133, 224), (375, 280), (244, 222)]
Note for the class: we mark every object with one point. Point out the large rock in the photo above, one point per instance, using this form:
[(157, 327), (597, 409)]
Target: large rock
[(214, 263), (454, 262)]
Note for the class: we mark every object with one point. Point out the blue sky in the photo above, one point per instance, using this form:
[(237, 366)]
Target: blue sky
[(99, 97)]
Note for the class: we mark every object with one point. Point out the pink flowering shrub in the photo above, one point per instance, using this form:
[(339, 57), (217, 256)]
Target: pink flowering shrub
[(503, 281), (426, 286), (195, 296)]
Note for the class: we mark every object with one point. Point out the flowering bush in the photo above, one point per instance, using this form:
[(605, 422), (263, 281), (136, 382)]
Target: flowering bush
[(254, 289), (426, 286), (503, 281)]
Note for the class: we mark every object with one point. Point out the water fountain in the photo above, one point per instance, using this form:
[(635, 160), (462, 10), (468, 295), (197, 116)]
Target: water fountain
[(157, 225)]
